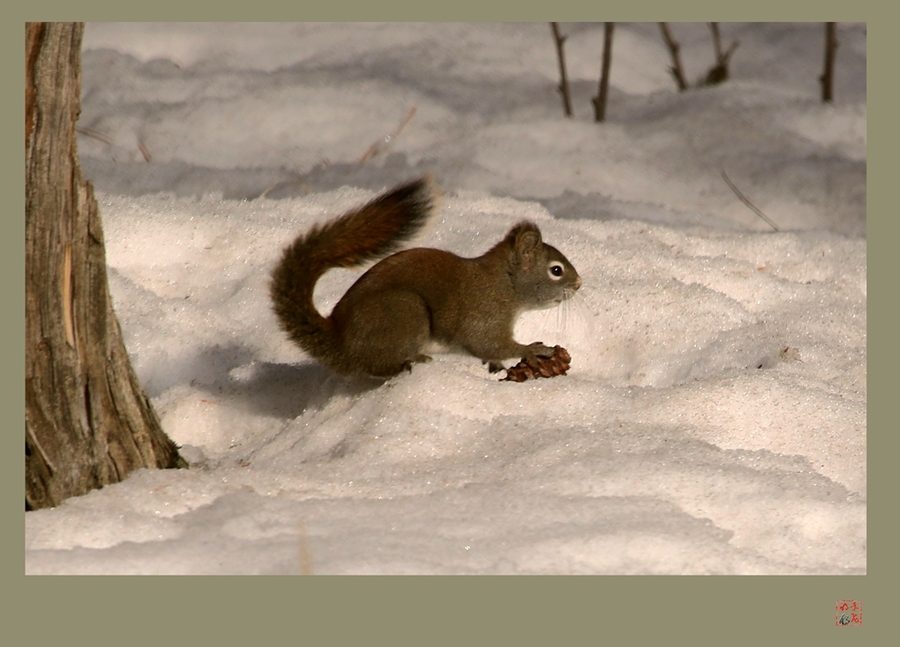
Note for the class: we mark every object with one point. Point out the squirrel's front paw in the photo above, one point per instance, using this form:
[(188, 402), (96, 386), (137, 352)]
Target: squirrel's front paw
[(538, 349)]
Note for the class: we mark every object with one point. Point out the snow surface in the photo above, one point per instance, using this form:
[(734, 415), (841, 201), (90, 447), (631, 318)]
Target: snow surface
[(714, 418)]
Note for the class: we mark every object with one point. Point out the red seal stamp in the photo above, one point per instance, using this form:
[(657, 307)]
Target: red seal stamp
[(848, 613)]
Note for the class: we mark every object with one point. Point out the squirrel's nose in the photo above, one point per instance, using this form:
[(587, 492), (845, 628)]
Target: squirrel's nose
[(577, 283)]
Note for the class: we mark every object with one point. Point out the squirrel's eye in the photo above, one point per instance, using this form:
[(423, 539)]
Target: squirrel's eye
[(555, 270)]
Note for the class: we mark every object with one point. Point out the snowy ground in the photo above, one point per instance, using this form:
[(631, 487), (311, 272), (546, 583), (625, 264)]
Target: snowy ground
[(714, 419)]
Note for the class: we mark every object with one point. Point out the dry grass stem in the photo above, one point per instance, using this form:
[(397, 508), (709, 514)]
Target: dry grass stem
[(93, 134), (747, 202), (380, 145)]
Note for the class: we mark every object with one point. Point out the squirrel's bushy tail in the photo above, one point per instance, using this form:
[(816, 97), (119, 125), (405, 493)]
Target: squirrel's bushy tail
[(365, 234)]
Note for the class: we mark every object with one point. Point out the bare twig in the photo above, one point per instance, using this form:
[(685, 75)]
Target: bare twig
[(831, 45), (676, 69), (600, 100), (717, 40), (381, 144), (564, 81), (93, 134), (376, 148), (144, 151), (719, 72), (87, 132), (747, 202)]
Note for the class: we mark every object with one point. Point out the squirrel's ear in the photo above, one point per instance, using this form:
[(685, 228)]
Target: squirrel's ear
[(528, 244)]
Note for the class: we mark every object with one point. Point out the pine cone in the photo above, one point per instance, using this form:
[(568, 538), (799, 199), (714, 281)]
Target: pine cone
[(552, 366)]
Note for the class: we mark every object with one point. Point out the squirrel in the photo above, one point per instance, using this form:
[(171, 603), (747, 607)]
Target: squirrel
[(413, 298)]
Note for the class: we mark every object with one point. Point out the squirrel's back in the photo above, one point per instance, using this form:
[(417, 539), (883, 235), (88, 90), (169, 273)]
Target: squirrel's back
[(389, 317), (371, 232)]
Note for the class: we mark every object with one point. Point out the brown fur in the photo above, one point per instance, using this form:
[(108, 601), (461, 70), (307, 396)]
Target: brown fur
[(385, 321)]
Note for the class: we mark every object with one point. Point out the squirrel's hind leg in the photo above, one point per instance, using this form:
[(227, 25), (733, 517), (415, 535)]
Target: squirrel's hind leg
[(386, 334)]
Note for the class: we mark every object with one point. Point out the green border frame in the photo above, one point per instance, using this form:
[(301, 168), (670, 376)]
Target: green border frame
[(460, 610)]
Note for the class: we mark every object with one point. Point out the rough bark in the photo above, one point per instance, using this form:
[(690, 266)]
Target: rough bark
[(87, 421)]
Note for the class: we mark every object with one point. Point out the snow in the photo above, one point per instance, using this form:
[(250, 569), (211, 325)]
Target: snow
[(714, 418)]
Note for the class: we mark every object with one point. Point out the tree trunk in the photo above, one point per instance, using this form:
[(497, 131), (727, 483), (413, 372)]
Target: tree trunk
[(87, 420)]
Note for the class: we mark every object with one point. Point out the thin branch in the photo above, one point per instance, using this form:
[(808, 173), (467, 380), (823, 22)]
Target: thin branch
[(676, 69), (87, 132), (600, 100), (747, 202), (144, 151), (719, 72), (564, 81), (380, 145), (831, 45), (717, 40)]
